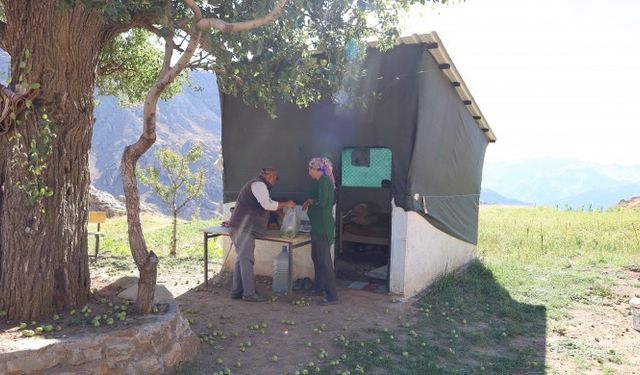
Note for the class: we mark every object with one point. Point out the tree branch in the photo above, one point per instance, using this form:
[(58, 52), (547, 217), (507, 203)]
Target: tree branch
[(195, 193), (107, 69), (207, 47), (168, 42), (230, 27), (209, 67)]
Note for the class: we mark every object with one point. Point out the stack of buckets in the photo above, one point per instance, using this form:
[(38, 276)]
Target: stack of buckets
[(635, 312)]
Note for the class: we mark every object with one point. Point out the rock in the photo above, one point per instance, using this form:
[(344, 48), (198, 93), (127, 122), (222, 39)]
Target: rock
[(79, 355), (33, 364), (118, 352), (102, 201), (125, 282), (161, 294), (149, 365), (635, 312), (144, 206)]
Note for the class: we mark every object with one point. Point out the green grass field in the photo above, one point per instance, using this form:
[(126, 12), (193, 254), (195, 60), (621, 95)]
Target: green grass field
[(535, 265), (116, 257), (545, 256)]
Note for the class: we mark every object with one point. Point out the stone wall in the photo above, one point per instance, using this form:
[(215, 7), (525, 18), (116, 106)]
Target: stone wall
[(153, 346)]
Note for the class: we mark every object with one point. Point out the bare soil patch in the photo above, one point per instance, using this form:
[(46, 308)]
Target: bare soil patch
[(598, 335), (277, 336)]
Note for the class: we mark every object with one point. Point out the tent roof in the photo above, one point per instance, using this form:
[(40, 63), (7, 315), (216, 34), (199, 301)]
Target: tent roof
[(435, 47)]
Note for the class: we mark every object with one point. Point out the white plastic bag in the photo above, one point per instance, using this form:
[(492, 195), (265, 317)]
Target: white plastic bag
[(290, 223)]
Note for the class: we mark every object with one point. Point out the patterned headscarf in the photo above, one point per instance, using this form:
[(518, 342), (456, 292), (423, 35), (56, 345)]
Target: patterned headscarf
[(324, 165)]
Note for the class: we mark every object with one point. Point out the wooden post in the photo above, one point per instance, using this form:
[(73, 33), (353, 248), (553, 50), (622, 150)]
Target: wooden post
[(97, 243)]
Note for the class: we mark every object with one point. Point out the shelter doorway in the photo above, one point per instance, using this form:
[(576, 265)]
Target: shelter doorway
[(364, 218)]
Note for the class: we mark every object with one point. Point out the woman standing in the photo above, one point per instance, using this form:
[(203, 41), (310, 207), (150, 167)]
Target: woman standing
[(320, 212)]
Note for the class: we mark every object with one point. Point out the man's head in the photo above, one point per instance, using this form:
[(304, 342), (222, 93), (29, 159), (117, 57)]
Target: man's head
[(270, 174)]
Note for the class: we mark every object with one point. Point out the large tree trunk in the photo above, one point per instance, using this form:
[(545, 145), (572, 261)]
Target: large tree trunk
[(43, 254)]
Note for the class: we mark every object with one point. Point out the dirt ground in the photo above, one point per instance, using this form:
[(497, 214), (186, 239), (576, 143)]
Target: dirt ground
[(295, 334), (279, 337), (598, 332), (593, 338)]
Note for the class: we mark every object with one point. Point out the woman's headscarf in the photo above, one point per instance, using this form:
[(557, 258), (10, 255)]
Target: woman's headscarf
[(324, 165)]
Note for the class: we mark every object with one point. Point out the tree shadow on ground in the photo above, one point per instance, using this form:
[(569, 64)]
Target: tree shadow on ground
[(474, 325)]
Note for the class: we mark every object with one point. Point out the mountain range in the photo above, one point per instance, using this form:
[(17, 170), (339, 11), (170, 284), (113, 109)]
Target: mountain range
[(561, 182), (192, 116)]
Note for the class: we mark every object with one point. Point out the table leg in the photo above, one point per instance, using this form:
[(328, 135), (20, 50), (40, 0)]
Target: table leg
[(290, 274), (206, 259)]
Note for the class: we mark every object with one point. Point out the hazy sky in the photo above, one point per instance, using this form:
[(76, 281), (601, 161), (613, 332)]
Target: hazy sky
[(554, 78)]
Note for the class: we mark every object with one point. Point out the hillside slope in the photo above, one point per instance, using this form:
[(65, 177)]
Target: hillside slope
[(192, 116), (632, 203)]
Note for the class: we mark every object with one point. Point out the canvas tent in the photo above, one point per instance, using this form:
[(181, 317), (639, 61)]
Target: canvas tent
[(423, 122)]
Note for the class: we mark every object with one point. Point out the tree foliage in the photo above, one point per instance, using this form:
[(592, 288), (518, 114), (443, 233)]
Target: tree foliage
[(312, 50), (174, 182), (129, 66)]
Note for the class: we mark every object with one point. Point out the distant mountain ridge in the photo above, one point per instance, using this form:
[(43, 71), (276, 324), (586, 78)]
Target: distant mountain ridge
[(562, 182), (488, 196)]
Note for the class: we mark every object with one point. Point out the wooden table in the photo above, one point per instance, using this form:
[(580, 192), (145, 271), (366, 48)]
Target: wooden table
[(301, 239)]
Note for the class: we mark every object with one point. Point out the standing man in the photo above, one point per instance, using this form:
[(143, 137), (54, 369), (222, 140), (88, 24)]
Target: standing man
[(248, 221)]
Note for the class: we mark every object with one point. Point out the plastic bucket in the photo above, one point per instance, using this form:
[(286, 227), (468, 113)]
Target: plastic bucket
[(635, 312)]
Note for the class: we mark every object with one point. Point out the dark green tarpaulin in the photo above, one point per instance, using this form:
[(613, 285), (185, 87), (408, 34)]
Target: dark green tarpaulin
[(438, 149)]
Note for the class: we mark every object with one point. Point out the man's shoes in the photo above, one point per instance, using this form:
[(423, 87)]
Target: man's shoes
[(254, 298), (327, 302), (297, 285), (307, 284), (236, 296)]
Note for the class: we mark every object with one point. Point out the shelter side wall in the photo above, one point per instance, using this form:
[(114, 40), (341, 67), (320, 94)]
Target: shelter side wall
[(266, 251), (398, 250), (430, 253), (446, 166)]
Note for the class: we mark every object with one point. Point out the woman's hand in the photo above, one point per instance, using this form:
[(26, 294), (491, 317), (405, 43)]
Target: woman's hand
[(306, 204)]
